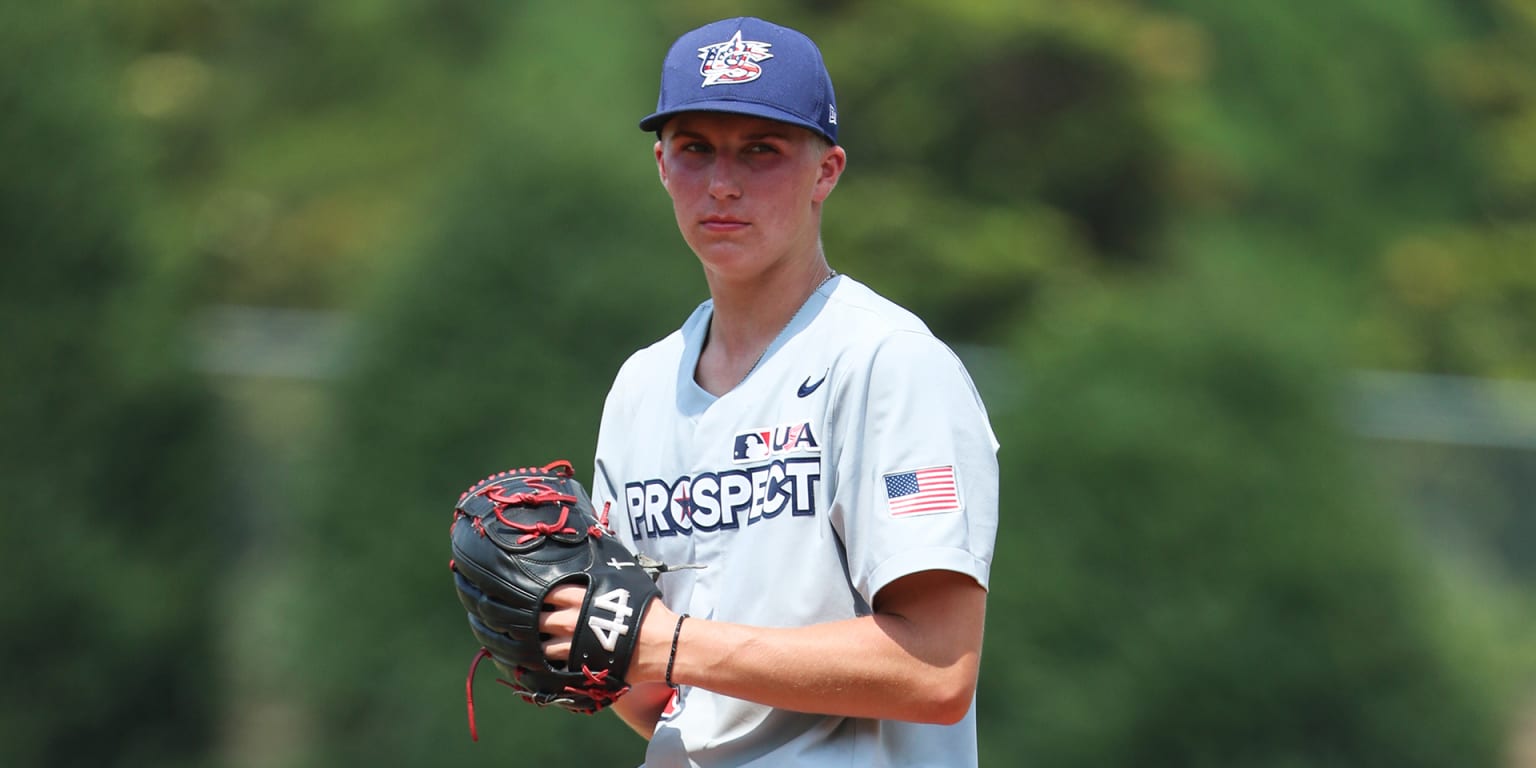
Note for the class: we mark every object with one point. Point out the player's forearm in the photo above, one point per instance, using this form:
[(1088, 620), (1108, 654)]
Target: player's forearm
[(918, 666), (641, 708), (865, 667)]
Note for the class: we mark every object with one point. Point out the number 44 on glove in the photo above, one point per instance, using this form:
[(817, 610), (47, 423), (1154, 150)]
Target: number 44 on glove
[(517, 535)]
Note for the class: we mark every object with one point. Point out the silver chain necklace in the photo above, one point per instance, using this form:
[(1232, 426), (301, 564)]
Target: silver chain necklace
[(831, 274)]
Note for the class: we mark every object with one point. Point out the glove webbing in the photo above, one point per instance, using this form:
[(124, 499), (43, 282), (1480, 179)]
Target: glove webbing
[(542, 495)]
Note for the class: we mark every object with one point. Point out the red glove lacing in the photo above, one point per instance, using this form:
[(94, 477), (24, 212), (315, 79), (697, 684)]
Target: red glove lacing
[(469, 692), (596, 689), (541, 494)]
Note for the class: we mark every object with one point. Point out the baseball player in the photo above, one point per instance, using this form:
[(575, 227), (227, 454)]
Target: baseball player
[(812, 446)]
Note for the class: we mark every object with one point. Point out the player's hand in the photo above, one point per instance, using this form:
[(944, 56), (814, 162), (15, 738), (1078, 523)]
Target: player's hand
[(562, 609), (557, 621)]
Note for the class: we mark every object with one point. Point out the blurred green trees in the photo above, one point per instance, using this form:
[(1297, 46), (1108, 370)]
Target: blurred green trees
[(551, 258), (1457, 294), (111, 474), (1195, 571)]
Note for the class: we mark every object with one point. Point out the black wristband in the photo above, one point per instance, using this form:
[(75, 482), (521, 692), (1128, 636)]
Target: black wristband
[(672, 658)]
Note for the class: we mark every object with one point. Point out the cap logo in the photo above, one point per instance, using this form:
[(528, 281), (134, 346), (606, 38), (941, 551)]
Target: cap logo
[(733, 61)]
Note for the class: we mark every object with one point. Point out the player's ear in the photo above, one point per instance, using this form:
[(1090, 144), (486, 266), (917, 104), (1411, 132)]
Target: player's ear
[(661, 167), (833, 161)]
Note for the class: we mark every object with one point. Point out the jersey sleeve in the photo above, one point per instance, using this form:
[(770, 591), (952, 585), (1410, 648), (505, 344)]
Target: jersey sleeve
[(916, 466), (604, 472)]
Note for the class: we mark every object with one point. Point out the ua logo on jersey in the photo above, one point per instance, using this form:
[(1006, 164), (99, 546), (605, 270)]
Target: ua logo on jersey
[(760, 444), (608, 630)]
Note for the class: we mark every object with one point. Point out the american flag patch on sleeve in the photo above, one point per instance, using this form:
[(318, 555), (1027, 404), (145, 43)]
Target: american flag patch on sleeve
[(922, 491)]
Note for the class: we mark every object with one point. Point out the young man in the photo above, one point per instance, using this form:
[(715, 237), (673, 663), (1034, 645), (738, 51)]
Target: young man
[(812, 445)]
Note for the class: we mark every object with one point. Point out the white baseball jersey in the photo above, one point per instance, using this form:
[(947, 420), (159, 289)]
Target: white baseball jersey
[(857, 452)]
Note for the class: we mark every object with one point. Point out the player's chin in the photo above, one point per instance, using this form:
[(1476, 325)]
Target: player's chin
[(721, 246), (730, 261)]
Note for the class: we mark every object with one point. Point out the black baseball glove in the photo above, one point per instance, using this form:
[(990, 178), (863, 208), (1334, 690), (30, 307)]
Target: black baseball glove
[(518, 534)]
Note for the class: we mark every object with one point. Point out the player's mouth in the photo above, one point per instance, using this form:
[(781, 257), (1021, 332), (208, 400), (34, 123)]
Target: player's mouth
[(723, 224)]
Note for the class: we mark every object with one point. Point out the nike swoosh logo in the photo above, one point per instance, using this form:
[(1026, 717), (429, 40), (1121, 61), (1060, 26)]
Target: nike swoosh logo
[(807, 388)]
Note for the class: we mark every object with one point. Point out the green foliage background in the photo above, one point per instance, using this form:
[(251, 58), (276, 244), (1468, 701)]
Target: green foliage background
[(1164, 232), (110, 458)]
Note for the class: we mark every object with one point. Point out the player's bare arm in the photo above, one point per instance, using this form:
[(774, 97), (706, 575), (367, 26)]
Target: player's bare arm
[(915, 658), (641, 708)]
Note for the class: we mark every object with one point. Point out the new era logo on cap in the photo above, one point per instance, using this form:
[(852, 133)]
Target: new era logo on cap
[(747, 66)]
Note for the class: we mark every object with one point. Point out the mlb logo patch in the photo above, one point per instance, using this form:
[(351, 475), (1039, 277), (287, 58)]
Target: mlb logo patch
[(928, 491)]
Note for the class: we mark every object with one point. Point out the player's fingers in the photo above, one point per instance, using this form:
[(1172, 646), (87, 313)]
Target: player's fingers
[(558, 628), (557, 650), (559, 623), (565, 596)]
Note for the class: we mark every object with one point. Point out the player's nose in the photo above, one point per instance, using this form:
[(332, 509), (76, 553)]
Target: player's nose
[(724, 182)]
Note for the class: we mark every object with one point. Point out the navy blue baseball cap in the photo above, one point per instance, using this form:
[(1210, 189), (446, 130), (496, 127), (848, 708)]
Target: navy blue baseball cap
[(747, 66)]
